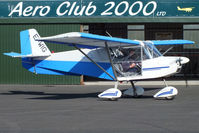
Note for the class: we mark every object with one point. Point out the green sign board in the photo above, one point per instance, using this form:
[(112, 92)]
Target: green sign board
[(99, 8)]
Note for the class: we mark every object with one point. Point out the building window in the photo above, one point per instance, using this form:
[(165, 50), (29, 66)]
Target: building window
[(136, 32), (191, 32)]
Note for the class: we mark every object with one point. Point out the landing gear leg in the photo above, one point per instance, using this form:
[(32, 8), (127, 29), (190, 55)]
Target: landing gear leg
[(116, 85), (165, 82), (135, 91)]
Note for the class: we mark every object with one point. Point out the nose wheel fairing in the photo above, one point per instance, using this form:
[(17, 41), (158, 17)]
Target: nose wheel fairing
[(168, 92)]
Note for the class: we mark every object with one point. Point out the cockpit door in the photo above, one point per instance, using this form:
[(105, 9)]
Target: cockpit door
[(127, 61)]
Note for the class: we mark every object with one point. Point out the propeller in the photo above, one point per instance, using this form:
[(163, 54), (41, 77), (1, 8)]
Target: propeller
[(179, 61), (182, 60)]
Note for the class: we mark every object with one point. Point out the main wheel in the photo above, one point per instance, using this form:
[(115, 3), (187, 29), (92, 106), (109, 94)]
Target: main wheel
[(170, 98), (113, 99)]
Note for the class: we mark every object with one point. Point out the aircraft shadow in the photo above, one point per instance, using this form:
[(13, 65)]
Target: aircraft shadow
[(139, 97), (150, 89), (52, 96), (59, 96)]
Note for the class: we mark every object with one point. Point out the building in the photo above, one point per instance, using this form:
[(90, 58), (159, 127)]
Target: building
[(133, 19)]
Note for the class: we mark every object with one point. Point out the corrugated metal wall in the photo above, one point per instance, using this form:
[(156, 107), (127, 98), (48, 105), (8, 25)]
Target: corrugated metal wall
[(12, 72)]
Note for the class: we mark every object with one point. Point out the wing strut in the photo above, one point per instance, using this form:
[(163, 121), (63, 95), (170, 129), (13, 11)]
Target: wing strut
[(94, 62), (109, 56)]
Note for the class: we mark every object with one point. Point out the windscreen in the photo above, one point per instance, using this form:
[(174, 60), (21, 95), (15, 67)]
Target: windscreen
[(150, 51)]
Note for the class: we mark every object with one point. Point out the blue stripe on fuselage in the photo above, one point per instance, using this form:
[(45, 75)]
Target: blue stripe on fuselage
[(80, 68), (154, 68)]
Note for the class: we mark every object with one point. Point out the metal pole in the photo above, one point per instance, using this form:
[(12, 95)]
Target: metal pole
[(109, 55), (165, 82)]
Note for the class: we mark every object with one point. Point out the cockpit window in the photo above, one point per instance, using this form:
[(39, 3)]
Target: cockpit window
[(150, 50), (127, 60), (126, 53)]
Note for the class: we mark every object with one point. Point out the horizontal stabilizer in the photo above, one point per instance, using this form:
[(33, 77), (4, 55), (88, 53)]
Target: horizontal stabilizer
[(13, 54)]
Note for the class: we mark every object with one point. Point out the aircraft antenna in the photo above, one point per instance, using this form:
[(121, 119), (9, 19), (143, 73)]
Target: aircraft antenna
[(108, 33)]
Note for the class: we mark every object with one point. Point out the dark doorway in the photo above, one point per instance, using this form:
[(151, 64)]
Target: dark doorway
[(115, 30), (155, 31), (168, 31), (165, 31)]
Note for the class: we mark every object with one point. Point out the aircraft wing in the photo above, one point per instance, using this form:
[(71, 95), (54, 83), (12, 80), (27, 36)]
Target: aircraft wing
[(172, 42), (86, 40)]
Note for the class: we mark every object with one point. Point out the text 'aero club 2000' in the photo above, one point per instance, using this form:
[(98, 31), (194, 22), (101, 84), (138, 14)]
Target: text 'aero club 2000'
[(103, 57)]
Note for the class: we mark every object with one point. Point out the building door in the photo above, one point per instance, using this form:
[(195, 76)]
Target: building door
[(191, 32), (165, 31)]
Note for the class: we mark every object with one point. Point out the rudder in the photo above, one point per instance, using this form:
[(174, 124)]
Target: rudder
[(29, 45)]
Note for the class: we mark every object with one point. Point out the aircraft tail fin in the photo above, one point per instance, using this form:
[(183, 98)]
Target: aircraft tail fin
[(29, 46)]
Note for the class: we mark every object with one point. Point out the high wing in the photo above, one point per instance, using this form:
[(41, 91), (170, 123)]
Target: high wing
[(86, 40), (172, 42)]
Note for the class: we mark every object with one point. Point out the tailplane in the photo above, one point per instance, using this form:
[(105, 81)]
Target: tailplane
[(29, 46)]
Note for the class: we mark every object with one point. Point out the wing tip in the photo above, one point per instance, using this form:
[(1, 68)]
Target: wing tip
[(172, 42)]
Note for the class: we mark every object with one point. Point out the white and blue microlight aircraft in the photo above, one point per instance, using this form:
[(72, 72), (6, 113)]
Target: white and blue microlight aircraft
[(103, 57)]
